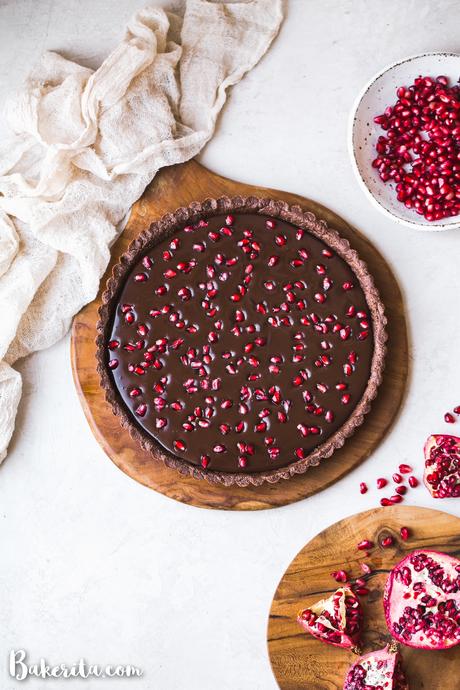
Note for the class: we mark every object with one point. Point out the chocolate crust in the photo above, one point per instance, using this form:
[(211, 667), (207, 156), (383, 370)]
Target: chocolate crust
[(166, 226)]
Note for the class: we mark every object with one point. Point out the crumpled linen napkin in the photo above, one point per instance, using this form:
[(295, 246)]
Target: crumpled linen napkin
[(85, 146)]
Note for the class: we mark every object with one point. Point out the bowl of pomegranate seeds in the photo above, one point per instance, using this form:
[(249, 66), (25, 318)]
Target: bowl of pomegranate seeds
[(404, 141)]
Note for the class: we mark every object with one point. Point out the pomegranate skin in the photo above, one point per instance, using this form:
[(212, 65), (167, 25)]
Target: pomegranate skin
[(336, 620), (442, 466), (380, 669), (422, 600)]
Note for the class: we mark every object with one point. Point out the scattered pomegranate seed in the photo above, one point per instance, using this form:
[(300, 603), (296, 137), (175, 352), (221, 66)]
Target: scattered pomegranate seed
[(179, 445), (404, 533), (113, 363), (385, 502), (449, 418), (397, 478), (405, 469), (365, 545), (363, 488), (401, 490), (387, 542), (396, 498), (366, 569), (339, 576), (457, 409), (413, 481), (361, 591), (381, 482)]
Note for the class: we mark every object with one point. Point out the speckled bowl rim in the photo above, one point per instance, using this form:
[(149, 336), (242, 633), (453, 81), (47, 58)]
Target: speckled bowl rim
[(166, 226), (436, 226)]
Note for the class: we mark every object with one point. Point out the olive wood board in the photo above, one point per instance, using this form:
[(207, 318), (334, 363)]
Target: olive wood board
[(299, 661), (177, 186)]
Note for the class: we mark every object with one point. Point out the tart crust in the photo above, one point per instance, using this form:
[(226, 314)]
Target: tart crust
[(166, 226)]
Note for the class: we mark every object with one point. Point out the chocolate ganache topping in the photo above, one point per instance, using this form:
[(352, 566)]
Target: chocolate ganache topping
[(240, 343)]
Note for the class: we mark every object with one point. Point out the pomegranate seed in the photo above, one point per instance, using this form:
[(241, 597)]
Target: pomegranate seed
[(385, 502), (381, 482), (365, 569), (361, 591), (457, 409), (179, 445), (405, 469), (419, 151), (339, 576), (449, 418), (365, 545), (397, 478), (387, 542), (396, 498), (113, 363), (404, 533), (363, 488), (413, 481), (401, 490), (270, 224)]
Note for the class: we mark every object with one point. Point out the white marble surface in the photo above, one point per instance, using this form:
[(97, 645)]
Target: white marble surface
[(93, 564)]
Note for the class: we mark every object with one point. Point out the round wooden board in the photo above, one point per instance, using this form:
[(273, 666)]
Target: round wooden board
[(298, 660), (178, 186)]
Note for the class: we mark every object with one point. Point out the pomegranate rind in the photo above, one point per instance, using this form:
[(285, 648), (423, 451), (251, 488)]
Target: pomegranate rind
[(449, 487), (336, 605), (400, 596), (382, 668)]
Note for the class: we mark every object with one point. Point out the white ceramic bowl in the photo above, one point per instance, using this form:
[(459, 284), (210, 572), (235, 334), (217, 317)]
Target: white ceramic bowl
[(363, 132)]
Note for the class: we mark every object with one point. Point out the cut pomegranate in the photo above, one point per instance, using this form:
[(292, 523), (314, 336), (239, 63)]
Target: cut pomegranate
[(442, 466), (422, 600), (419, 153), (336, 620), (379, 670)]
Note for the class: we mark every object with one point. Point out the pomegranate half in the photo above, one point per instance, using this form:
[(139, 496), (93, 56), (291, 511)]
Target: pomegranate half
[(336, 620), (442, 466), (422, 600), (381, 669)]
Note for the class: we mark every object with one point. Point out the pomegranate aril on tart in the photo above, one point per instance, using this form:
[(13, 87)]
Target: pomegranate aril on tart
[(336, 621), (442, 466), (238, 295), (381, 670), (422, 600)]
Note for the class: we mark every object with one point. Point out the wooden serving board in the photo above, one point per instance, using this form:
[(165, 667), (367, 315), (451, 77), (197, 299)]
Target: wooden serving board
[(300, 662), (178, 186)]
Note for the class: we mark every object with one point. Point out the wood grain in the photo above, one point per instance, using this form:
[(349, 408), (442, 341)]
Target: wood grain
[(178, 186), (298, 660)]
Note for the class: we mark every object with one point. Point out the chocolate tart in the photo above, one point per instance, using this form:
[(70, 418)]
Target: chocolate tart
[(241, 340)]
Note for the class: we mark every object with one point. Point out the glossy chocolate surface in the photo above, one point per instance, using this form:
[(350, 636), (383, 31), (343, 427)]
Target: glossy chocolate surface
[(240, 343)]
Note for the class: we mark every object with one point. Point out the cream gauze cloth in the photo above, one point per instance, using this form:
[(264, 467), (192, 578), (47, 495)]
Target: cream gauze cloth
[(85, 146)]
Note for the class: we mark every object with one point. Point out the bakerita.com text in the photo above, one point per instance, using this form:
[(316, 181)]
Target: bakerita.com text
[(20, 668)]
